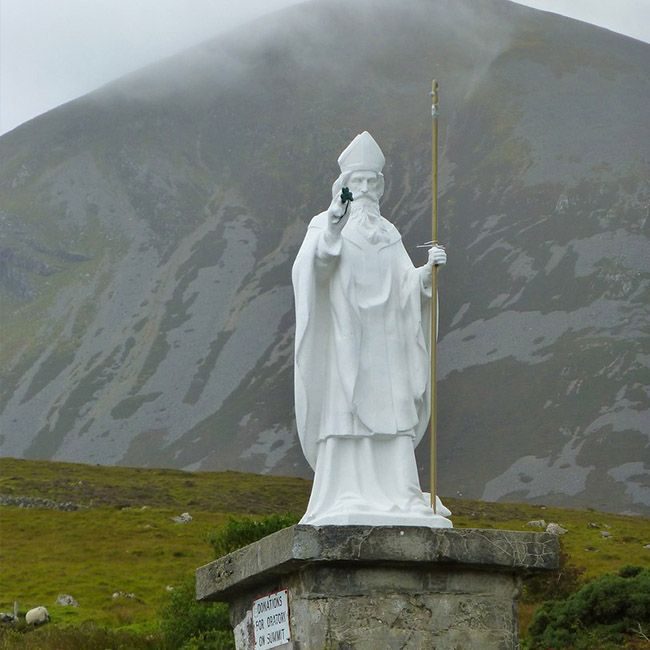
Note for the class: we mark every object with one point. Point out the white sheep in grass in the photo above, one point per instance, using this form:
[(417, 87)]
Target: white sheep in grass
[(37, 616)]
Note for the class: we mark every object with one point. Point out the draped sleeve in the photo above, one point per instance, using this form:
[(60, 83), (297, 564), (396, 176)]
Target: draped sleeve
[(311, 294)]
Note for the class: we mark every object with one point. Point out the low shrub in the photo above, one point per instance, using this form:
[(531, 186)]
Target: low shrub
[(241, 531), (189, 625), (606, 612)]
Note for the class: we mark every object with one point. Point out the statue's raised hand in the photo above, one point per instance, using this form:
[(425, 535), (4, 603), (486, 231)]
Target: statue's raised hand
[(336, 216)]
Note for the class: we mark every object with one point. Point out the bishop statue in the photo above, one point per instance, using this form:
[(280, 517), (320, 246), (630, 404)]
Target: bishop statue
[(362, 356)]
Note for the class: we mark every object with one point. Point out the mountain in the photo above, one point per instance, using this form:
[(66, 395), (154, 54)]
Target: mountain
[(148, 232)]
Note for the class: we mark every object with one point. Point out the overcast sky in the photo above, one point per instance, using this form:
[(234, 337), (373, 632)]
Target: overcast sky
[(52, 51)]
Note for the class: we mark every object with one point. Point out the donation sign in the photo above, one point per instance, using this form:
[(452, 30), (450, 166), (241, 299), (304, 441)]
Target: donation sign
[(271, 620)]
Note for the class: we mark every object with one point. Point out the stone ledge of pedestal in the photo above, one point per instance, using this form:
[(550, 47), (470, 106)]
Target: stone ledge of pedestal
[(291, 548)]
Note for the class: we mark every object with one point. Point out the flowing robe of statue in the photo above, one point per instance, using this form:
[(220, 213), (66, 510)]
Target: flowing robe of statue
[(361, 374)]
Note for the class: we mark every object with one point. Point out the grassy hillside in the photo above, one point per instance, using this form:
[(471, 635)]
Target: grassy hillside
[(121, 487), (124, 539)]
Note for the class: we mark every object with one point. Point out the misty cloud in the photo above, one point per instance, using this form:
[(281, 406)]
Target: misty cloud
[(53, 52)]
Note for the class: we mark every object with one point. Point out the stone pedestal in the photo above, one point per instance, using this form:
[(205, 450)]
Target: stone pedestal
[(381, 587)]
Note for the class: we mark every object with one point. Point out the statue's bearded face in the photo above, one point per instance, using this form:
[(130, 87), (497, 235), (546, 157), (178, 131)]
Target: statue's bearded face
[(364, 187), (367, 187)]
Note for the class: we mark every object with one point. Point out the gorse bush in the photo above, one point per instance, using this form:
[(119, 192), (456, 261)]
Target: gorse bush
[(606, 612), (189, 625), (186, 623), (241, 531)]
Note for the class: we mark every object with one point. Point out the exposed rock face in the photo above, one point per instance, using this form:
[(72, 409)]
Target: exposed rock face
[(149, 230)]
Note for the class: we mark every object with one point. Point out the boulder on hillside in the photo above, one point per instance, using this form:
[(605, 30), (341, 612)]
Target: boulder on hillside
[(537, 523), (556, 529)]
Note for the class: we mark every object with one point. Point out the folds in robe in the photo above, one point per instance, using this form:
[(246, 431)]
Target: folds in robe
[(362, 338)]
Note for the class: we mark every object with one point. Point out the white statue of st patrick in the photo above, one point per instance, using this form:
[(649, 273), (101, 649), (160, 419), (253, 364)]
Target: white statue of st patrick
[(362, 357)]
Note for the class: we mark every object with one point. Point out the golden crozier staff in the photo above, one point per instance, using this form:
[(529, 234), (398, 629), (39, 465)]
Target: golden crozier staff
[(434, 284)]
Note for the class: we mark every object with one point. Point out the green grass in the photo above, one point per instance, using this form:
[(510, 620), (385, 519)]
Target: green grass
[(225, 492), (93, 553), (125, 540)]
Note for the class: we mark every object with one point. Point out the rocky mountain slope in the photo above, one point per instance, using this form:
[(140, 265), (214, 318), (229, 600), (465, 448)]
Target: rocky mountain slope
[(148, 231)]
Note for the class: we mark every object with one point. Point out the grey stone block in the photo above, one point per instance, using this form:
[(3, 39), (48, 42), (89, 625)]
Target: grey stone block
[(384, 587)]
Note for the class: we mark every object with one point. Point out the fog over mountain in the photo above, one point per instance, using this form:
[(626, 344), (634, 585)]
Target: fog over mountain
[(148, 231)]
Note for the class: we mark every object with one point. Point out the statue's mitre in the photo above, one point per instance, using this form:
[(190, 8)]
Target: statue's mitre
[(362, 154)]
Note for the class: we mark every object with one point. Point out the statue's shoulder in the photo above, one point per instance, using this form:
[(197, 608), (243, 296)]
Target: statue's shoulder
[(391, 228), (319, 221)]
